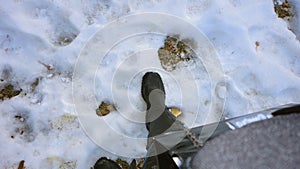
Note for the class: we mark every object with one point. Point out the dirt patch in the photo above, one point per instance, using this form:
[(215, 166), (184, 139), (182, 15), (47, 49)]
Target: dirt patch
[(9, 92), (64, 40), (283, 9), (175, 51), (65, 121), (140, 164), (122, 163), (286, 10), (105, 108), (22, 127), (58, 162)]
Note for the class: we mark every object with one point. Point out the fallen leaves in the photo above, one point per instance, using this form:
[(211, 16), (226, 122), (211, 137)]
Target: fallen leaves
[(105, 108)]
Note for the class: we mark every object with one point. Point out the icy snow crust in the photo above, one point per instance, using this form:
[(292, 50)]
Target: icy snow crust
[(259, 57), (114, 78)]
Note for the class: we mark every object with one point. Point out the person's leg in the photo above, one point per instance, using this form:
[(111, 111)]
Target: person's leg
[(158, 120)]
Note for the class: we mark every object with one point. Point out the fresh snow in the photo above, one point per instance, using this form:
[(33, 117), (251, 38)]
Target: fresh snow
[(257, 52)]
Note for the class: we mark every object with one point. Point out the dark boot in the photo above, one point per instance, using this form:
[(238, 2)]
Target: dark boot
[(150, 82), (158, 118), (104, 163)]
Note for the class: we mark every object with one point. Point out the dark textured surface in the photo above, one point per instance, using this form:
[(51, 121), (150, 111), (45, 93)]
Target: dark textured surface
[(269, 144), (151, 81), (158, 119), (104, 163)]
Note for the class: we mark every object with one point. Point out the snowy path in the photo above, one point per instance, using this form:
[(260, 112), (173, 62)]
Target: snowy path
[(40, 42)]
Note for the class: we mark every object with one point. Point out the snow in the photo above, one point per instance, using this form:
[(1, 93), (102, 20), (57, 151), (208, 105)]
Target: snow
[(249, 62)]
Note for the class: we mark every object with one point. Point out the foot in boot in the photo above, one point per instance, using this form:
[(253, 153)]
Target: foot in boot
[(151, 81), (103, 162), (158, 118)]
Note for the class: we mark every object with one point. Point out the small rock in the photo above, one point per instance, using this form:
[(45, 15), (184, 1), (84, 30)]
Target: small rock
[(104, 109), (175, 51), (175, 111)]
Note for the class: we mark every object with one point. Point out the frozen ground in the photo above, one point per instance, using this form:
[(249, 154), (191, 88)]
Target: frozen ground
[(40, 42)]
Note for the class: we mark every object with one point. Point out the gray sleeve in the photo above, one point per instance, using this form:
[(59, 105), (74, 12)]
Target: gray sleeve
[(268, 144)]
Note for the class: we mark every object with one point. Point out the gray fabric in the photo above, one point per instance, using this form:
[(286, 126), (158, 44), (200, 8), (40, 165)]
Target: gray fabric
[(157, 105), (269, 144)]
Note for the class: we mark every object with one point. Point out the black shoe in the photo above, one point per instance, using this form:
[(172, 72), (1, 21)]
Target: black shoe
[(158, 118), (104, 163), (151, 81)]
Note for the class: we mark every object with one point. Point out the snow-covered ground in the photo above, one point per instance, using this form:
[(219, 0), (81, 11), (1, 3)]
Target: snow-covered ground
[(45, 46)]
